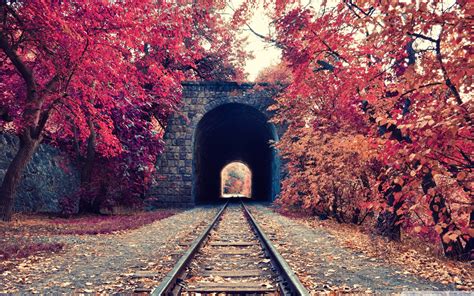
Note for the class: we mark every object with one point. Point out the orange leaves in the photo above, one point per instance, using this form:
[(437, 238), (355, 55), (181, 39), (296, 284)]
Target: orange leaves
[(277, 74), (451, 236), (398, 181), (392, 117), (461, 176)]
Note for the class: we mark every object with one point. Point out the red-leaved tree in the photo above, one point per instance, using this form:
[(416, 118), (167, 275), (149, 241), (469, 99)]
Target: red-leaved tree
[(97, 78), (379, 115)]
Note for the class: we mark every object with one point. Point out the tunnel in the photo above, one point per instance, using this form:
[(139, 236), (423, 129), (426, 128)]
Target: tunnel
[(234, 132)]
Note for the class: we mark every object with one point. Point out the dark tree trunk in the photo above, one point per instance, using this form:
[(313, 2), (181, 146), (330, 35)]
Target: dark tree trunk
[(355, 216), (86, 172), (88, 200), (469, 249), (34, 121), (388, 221), (335, 205), (28, 146), (441, 214), (387, 225)]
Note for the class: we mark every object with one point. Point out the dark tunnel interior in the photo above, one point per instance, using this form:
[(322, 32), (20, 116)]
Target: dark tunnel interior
[(233, 132)]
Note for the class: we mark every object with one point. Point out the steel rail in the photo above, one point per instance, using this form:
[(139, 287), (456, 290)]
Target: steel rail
[(284, 270), (170, 280)]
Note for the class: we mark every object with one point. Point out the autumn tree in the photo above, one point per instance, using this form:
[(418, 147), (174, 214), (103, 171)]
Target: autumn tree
[(96, 78), (275, 74), (379, 114)]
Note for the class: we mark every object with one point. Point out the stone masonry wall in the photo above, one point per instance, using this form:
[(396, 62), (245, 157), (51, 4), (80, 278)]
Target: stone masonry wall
[(174, 180), (47, 178)]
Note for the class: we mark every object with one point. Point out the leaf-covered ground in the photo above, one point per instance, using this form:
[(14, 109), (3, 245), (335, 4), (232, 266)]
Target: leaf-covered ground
[(117, 262), (29, 235), (332, 257), (326, 256)]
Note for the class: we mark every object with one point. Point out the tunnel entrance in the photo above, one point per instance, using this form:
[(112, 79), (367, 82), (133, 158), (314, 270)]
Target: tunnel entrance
[(234, 132)]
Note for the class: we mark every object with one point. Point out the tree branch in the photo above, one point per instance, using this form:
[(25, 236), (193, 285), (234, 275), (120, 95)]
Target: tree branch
[(423, 37), (44, 117), (420, 87), (449, 84), (329, 47), (277, 44), (20, 66)]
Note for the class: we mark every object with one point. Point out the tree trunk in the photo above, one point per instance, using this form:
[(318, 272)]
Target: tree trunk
[(355, 216), (12, 177), (34, 121), (469, 249), (87, 202), (439, 211), (86, 172), (441, 215), (387, 225), (335, 205), (388, 221)]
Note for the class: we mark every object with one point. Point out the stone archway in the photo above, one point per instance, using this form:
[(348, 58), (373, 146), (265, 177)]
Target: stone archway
[(232, 132), (198, 145)]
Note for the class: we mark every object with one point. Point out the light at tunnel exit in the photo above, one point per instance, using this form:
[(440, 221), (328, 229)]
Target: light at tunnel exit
[(228, 133), (236, 180)]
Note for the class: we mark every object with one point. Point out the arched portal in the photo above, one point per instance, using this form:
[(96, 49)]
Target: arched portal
[(236, 180), (230, 132), (218, 122)]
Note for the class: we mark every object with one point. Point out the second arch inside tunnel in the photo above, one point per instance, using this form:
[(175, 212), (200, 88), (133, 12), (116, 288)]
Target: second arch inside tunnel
[(234, 132)]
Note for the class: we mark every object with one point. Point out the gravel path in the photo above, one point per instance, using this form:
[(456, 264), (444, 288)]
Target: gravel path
[(120, 262), (322, 265)]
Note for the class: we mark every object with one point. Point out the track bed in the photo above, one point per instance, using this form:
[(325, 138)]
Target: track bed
[(231, 257)]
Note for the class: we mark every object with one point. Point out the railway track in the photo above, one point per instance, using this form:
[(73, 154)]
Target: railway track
[(232, 256)]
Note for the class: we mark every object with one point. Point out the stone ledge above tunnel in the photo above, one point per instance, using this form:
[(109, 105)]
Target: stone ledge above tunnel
[(173, 182)]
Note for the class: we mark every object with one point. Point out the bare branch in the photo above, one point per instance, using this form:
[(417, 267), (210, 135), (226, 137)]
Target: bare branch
[(268, 39), (423, 37), (420, 87)]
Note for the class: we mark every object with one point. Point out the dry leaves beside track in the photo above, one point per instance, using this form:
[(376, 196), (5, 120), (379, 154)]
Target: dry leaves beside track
[(123, 261), (332, 258)]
